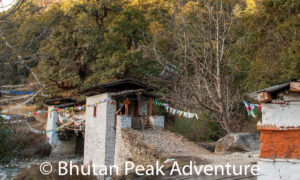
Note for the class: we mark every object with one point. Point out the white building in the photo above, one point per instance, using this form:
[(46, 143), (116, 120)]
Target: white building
[(117, 105)]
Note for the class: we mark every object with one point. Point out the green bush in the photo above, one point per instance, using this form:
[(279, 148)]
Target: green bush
[(196, 130)]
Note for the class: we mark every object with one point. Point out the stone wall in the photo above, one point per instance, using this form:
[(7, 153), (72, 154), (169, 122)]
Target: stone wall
[(129, 147), (99, 142), (124, 121), (157, 121), (121, 151)]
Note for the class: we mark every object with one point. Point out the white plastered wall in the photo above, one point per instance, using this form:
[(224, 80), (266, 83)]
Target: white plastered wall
[(278, 169), (281, 114), (99, 142)]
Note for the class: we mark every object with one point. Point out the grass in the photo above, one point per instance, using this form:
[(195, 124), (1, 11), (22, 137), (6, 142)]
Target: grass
[(196, 130)]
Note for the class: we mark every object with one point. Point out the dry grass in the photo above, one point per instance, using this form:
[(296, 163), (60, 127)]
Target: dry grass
[(29, 143), (33, 173), (20, 110), (24, 142), (41, 119)]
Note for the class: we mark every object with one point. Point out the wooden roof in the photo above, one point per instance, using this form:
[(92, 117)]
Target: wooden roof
[(61, 101), (274, 91), (117, 86)]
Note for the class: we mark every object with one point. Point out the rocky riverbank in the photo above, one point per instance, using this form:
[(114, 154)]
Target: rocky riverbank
[(16, 165)]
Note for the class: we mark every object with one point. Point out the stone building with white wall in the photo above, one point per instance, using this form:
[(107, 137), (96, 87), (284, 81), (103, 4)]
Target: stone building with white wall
[(280, 131), (112, 108)]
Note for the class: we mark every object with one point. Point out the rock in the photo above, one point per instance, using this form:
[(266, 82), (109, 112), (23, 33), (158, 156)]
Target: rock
[(44, 150), (210, 146), (237, 142)]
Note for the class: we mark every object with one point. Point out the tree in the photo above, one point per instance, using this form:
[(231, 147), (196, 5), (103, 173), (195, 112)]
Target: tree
[(201, 33), (266, 50), (121, 54)]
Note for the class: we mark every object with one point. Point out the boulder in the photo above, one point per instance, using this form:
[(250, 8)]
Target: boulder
[(44, 150), (237, 142)]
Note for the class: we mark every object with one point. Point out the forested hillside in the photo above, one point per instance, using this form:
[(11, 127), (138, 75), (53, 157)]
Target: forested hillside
[(203, 56)]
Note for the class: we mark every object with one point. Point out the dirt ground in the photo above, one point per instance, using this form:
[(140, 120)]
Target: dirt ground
[(41, 119), (173, 146)]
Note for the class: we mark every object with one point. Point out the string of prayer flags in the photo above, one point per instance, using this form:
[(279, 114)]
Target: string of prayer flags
[(176, 111), (47, 131), (5, 117), (250, 108), (80, 108)]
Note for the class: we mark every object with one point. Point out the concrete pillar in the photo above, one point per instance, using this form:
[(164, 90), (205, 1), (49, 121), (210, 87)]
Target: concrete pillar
[(99, 144)]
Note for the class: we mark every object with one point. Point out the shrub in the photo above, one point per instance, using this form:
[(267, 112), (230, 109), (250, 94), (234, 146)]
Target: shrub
[(196, 130), (17, 139)]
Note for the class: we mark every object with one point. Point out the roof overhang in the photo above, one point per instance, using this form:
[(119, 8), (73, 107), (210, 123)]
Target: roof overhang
[(60, 101), (273, 90), (116, 86), (127, 93)]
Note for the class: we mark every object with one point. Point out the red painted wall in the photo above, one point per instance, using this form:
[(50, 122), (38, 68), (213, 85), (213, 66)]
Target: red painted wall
[(280, 144)]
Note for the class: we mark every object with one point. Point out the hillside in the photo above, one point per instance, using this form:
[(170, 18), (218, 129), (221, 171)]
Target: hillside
[(195, 68)]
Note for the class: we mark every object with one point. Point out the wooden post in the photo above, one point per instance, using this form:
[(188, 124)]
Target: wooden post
[(139, 103), (264, 97), (295, 87), (126, 102), (95, 111), (150, 107)]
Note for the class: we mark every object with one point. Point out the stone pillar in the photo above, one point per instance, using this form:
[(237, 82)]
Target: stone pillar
[(59, 147), (280, 141), (121, 151), (99, 142), (51, 124)]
